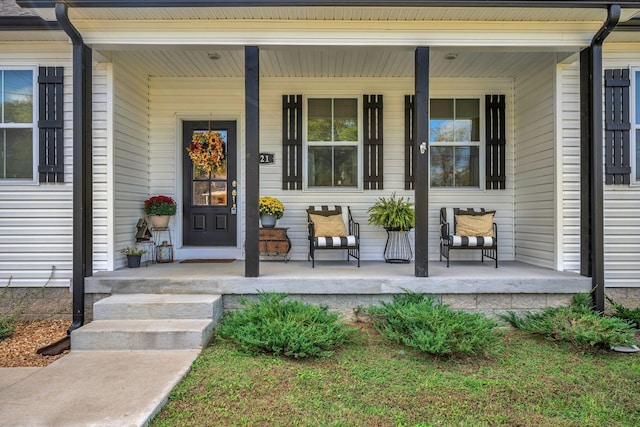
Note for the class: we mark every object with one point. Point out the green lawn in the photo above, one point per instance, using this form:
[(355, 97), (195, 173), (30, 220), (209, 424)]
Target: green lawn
[(373, 382)]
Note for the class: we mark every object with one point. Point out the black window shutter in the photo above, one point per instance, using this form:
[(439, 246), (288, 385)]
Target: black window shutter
[(496, 142), (372, 142), (409, 160), (50, 124), (617, 127), (292, 142)]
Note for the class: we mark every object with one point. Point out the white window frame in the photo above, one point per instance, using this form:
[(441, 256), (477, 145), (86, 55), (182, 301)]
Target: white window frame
[(633, 101), (306, 144), (481, 143), (33, 125)]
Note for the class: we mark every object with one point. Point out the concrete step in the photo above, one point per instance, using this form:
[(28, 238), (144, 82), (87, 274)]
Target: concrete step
[(157, 334), (158, 306)]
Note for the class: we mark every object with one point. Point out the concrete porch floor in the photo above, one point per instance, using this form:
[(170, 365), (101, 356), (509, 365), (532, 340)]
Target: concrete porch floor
[(343, 287), (338, 277)]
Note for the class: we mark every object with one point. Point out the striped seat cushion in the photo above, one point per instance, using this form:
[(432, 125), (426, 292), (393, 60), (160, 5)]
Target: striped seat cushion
[(335, 242), (468, 241)]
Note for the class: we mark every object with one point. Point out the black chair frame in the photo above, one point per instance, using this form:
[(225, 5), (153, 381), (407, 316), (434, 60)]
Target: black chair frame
[(353, 229)]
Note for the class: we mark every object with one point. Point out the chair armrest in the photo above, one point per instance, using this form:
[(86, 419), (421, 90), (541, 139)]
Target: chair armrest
[(311, 229), (354, 227), (495, 230), (444, 229)]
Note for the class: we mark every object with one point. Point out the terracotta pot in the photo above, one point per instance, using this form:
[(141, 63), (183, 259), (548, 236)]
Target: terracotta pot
[(159, 221)]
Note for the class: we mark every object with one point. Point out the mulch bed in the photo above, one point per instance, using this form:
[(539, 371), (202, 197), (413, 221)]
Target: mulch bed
[(19, 350)]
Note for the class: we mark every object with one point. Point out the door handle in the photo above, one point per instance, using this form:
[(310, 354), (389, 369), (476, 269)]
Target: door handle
[(234, 194)]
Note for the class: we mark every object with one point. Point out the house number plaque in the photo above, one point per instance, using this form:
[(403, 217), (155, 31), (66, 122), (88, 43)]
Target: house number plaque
[(267, 157)]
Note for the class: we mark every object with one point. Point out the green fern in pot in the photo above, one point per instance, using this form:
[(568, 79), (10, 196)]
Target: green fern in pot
[(392, 213)]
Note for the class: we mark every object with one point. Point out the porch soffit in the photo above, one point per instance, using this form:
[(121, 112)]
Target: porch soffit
[(323, 62)]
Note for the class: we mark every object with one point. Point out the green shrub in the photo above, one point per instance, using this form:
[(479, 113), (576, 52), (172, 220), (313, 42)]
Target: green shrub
[(434, 328), (288, 328), (14, 308), (9, 316), (630, 315), (7, 325), (577, 324)]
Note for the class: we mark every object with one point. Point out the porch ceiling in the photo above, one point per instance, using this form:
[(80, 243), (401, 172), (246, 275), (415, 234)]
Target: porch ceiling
[(313, 61)]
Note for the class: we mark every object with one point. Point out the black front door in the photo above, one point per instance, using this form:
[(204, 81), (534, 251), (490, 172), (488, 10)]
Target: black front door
[(209, 205)]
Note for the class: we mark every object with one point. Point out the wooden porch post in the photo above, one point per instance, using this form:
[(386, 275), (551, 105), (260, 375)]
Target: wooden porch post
[(421, 148), (252, 149)]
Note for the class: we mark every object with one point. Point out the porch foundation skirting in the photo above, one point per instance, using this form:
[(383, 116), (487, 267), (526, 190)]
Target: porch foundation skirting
[(472, 286)]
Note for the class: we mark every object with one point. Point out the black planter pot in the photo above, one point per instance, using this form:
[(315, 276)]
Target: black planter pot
[(133, 261)]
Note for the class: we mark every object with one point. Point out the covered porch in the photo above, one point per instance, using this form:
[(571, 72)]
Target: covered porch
[(154, 73)]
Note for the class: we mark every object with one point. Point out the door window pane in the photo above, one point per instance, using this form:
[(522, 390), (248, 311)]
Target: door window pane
[(210, 189)]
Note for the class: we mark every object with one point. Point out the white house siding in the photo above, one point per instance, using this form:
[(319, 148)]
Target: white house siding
[(569, 140), (130, 153), (36, 219), (534, 165), (101, 124), (622, 202), (173, 99)]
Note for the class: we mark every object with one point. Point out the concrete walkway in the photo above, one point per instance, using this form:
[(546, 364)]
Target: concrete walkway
[(92, 388)]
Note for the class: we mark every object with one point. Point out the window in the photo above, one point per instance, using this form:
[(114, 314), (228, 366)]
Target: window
[(332, 143), (17, 121), (454, 141)]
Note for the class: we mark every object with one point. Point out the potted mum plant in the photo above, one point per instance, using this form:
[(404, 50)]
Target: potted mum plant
[(271, 210), (134, 255), (160, 209), (397, 217)]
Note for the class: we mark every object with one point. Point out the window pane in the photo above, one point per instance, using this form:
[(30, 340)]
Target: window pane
[(441, 109), (17, 154), (441, 122), (319, 120), (218, 195), (467, 124), (18, 97), (467, 162), (319, 166), (200, 195), (346, 167), (441, 166), (346, 119)]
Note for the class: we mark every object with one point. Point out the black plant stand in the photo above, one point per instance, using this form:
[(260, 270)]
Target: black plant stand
[(398, 248)]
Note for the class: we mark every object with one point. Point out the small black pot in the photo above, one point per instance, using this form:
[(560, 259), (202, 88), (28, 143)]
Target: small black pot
[(133, 261)]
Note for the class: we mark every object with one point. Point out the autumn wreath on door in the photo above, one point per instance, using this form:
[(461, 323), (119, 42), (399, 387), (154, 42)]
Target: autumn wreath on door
[(207, 151)]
